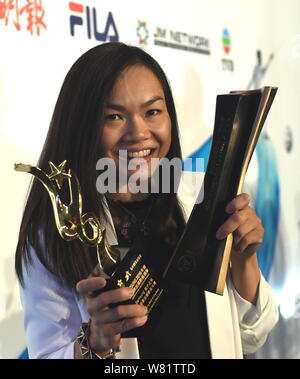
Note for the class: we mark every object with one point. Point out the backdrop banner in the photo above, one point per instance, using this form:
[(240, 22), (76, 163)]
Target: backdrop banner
[(206, 49)]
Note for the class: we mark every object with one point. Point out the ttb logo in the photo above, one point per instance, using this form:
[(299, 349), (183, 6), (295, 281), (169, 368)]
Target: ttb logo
[(85, 16), (227, 64)]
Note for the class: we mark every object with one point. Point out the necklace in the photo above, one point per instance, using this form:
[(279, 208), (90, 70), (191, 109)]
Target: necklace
[(129, 224)]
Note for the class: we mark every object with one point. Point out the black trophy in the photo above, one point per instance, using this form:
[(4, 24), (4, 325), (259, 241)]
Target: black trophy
[(199, 257)]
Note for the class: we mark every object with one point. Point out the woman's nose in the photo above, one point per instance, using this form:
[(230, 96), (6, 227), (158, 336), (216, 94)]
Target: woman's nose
[(136, 129)]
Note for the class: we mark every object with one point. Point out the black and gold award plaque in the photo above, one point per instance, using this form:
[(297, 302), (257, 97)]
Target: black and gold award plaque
[(199, 258)]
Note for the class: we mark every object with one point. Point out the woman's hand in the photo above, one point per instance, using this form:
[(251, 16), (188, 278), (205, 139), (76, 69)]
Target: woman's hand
[(245, 226), (248, 234), (107, 324)]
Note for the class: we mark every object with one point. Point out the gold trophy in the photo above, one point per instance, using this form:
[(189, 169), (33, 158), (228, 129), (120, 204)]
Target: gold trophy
[(133, 271)]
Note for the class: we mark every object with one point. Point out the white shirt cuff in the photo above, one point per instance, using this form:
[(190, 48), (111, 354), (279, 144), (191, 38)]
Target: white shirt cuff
[(248, 313)]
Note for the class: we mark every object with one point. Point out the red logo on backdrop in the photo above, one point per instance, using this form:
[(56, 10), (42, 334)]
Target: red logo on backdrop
[(17, 12)]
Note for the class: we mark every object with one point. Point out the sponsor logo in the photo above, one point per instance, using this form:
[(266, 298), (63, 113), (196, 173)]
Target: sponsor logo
[(227, 63), (86, 17), (142, 32), (226, 39), (23, 14), (182, 41)]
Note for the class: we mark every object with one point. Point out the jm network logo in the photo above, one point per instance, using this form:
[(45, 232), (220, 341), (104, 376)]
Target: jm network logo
[(142, 32), (86, 17)]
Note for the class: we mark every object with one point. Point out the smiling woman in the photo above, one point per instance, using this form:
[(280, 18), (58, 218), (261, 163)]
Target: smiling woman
[(142, 126), (116, 104), (83, 129)]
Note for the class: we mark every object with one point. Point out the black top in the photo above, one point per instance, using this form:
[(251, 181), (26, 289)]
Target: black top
[(177, 327)]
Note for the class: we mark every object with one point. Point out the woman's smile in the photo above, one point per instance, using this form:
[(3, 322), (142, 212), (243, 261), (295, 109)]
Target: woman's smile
[(137, 125)]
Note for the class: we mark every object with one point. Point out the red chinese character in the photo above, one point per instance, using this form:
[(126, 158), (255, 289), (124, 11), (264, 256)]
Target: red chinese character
[(6, 7), (35, 14)]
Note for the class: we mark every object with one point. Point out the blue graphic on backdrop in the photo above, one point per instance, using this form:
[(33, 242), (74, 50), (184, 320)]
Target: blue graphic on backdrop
[(267, 201), (24, 355), (267, 191), (267, 195), (202, 152)]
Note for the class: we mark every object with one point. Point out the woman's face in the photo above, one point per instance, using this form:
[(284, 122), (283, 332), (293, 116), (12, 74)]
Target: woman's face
[(136, 120)]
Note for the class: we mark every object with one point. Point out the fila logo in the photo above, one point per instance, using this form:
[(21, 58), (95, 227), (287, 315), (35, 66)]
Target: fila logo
[(89, 17)]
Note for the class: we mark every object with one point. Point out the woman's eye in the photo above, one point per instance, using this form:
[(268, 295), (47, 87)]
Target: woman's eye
[(113, 117), (153, 112)]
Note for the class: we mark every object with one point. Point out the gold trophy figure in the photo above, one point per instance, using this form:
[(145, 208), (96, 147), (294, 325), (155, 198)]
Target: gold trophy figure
[(71, 223), (133, 271)]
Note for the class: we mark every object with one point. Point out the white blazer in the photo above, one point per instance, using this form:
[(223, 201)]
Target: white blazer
[(53, 314)]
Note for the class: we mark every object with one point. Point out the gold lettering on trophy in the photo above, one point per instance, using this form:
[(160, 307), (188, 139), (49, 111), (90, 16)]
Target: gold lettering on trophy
[(127, 275), (136, 281), (139, 277), (135, 262), (155, 297), (147, 291)]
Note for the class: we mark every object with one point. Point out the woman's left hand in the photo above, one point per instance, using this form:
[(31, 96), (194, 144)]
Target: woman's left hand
[(245, 225)]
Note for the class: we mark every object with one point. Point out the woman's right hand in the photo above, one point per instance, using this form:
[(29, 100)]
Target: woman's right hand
[(107, 324)]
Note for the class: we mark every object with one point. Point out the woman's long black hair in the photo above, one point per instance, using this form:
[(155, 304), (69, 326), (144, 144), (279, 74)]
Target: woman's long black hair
[(75, 135)]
